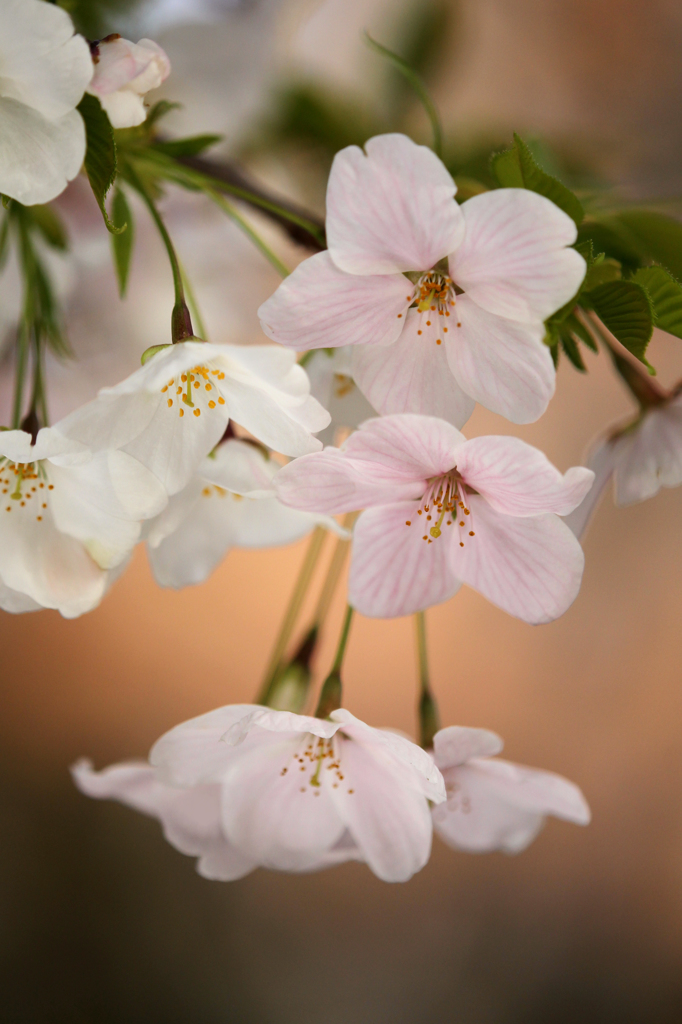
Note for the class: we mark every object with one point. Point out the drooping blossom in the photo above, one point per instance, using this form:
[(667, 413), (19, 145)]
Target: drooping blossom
[(68, 520), (173, 411), (466, 323), (294, 793), (494, 804), (332, 384), (641, 456), (124, 73), (229, 502), (442, 511), (44, 71)]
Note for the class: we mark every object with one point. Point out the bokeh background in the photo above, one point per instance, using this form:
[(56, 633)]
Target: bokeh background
[(101, 922)]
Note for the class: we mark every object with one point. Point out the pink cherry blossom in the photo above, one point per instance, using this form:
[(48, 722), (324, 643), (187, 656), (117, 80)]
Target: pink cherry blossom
[(441, 511), (466, 325), (124, 73), (494, 804)]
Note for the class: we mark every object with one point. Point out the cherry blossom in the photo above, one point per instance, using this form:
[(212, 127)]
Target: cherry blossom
[(494, 804), (45, 71), (442, 511), (466, 323), (173, 411), (331, 382), (124, 73), (67, 520), (229, 502)]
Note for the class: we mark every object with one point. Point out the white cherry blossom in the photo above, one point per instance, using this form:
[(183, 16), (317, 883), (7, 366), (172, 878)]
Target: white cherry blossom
[(331, 382), (67, 520), (44, 71), (229, 502), (124, 73), (494, 804), (467, 324), (442, 511), (173, 411)]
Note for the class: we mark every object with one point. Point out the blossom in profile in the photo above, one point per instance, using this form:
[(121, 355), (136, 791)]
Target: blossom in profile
[(288, 791), (494, 804), (44, 71), (444, 304), (124, 73), (332, 384), (441, 511), (68, 520), (173, 411), (230, 502)]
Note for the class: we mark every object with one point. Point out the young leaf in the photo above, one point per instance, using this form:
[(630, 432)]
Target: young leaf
[(100, 156), (517, 168), (191, 146), (625, 310), (571, 349), (50, 226), (637, 237), (666, 298), (122, 241), (577, 328)]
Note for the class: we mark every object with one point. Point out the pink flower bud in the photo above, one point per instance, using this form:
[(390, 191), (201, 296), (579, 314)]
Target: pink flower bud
[(124, 73)]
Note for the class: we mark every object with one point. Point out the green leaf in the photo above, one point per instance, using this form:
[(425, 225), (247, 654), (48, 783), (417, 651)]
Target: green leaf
[(666, 298), (50, 225), (517, 168), (159, 110), (572, 351), (602, 270), (191, 146), (100, 156), (637, 237), (577, 328), (122, 241), (625, 310)]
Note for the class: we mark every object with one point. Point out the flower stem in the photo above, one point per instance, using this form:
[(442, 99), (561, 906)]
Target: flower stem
[(331, 695), (181, 322), (305, 575), (429, 719), (646, 392), (193, 304), (336, 565), (244, 225)]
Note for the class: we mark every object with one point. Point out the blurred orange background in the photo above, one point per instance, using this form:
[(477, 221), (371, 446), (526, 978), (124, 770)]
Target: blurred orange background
[(101, 921)]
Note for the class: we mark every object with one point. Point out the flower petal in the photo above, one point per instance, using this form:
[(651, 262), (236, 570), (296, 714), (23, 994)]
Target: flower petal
[(15, 603), (390, 210), (410, 446), (411, 375), (241, 467), (320, 306), (456, 744), (393, 570), (650, 456), (38, 157), (519, 480), (17, 446), (503, 364), (529, 567), (601, 462), (513, 260)]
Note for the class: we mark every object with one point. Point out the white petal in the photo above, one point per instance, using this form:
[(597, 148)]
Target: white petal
[(650, 456), (327, 482), (125, 109), (513, 260), (38, 157), (390, 823), (241, 467), (320, 306), (17, 446), (601, 462), (411, 375), (16, 603), (410, 446), (393, 570), (529, 567), (519, 480), (503, 364), (456, 744), (331, 382), (391, 210)]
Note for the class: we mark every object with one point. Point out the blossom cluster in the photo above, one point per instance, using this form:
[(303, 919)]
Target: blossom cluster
[(419, 308)]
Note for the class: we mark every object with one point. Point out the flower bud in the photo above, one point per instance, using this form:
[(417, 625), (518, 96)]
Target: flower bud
[(124, 73)]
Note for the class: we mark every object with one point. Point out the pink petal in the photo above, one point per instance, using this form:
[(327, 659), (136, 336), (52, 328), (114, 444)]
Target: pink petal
[(456, 744), (413, 447), (535, 790), (513, 259), (503, 364), (411, 375), (649, 457), (391, 210), (600, 461), (519, 480), (529, 567), (320, 306), (330, 483), (393, 570)]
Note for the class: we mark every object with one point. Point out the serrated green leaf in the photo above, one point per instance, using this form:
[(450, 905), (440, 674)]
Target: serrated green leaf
[(577, 328), (625, 310), (122, 241), (637, 238), (571, 349), (666, 298), (601, 272), (517, 168), (50, 225), (191, 146), (100, 155)]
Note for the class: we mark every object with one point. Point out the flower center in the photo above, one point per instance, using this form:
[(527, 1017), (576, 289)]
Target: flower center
[(312, 759), (24, 486), (435, 296), (195, 391), (445, 502)]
